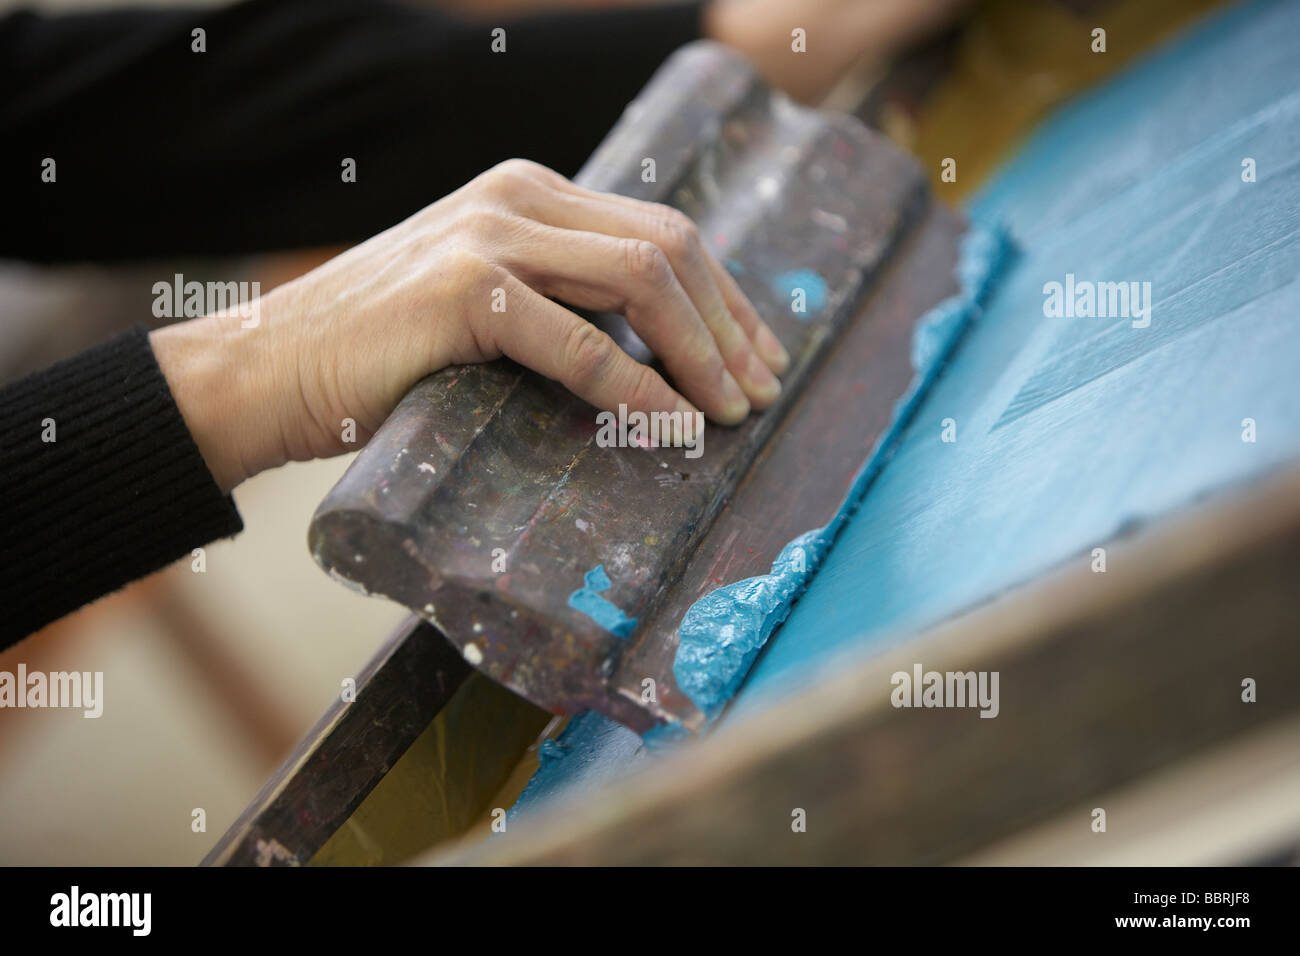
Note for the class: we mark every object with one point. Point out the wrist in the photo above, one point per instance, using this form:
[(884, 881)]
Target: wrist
[(215, 370)]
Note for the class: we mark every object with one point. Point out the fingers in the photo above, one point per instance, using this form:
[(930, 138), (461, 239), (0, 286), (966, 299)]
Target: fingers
[(764, 340), (676, 239), (766, 343), (725, 309), (555, 342), (635, 277)]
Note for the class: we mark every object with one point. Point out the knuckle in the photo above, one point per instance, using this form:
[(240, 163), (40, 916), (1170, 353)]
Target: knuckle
[(488, 222), (471, 273), (677, 233), (646, 262), (462, 264), (587, 352), (534, 172), (517, 167), (706, 357), (513, 176), (493, 277), (644, 387), (507, 181)]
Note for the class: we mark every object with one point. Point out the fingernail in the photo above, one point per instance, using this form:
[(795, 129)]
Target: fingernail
[(774, 353), (692, 421), (737, 404), (763, 385)]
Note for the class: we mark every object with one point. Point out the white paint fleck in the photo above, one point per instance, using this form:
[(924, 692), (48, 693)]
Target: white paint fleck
[(830, 221), (478, 628), (473, 654), (768, 187), (425, 466), (582, 525)]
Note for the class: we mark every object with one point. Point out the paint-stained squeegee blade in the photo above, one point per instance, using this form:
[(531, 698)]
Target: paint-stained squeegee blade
[(486, 504)]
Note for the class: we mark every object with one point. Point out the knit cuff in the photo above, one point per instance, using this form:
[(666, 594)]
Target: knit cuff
[(100, 483)]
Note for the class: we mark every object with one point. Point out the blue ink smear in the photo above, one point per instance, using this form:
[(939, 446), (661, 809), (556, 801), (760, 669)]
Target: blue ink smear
[(1076, 432), (813, 286), (722, 633), (605, 613), (1226, 89)]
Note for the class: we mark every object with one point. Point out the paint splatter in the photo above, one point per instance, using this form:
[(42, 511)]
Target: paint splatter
[(605, 613), (813, 287)]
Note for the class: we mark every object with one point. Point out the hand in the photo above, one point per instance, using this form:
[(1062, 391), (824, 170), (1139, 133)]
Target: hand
[(350, 338), (838, 34)]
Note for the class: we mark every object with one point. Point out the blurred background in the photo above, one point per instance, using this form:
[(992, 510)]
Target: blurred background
[(211, 679)]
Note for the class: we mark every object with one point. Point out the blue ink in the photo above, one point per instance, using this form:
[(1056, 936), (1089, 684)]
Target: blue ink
[(1067, 432), (603, 612), (722, 633), (1071, 432), (813, 286)]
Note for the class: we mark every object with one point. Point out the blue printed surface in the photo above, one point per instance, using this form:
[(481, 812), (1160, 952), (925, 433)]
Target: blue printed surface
[(1068, 430)]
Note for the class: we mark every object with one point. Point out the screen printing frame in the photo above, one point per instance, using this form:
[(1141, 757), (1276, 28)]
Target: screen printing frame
[(1116, 677), (406, 699)]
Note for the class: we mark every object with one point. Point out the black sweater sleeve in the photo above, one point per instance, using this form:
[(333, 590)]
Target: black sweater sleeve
[(100, 483), (159, 150)]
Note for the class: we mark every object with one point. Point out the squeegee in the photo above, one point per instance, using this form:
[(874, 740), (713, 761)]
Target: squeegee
[(560, 565)]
